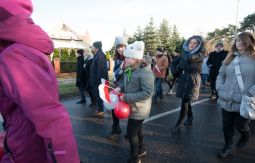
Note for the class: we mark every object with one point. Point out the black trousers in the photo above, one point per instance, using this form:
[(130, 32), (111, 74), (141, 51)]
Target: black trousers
[(213, 84), (185, 109), (231, 120), (116, 121), (135, 136)]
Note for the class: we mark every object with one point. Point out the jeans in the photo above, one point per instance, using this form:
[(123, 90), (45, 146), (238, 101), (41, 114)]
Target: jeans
[(204, 78), (159, 91), (100, 103), (231, 120), (185, 109), (135, 135)]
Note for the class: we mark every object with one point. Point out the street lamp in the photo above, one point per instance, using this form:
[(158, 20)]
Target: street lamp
[(237, 7)]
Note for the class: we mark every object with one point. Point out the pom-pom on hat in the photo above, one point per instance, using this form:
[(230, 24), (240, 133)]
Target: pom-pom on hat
[(16, 7), (135, 50)]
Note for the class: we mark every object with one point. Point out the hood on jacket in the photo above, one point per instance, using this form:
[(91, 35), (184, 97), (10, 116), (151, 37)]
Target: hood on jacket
[(198, 48), (16, 26)]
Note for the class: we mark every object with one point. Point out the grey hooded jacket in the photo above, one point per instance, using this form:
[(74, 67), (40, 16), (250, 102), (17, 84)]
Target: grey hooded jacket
[(138, 92), (227, 86)]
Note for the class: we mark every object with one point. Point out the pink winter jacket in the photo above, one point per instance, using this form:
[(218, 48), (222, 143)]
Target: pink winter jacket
[(29, 101)]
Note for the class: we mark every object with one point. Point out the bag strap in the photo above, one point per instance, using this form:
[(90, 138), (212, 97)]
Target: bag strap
[(238, 74)]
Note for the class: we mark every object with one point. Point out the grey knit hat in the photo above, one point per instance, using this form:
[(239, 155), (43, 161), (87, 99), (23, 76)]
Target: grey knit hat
[(120, 40), (97, 44)]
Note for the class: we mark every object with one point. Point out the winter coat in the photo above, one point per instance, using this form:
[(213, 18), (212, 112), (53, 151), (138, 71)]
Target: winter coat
[(86, 67), (80, 73), (162, 64), (29, 101), (117, 70), (98, 68), (227, 86), (190, 66), (214, 62), (205, 68), (138, 91)]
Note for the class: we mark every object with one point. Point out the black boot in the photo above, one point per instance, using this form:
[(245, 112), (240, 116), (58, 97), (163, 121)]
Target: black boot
[(81, 102), (188, 122), (116, 131), (226, 152), (176, 129), (243, 139)]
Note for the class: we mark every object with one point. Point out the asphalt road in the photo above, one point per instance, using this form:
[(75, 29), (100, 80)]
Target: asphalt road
[(199, 143)]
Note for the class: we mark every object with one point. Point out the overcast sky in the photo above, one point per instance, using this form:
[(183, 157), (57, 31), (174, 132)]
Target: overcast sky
[(105, 19)]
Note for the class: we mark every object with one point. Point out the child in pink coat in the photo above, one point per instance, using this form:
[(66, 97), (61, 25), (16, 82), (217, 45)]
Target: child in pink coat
[(37, 125)]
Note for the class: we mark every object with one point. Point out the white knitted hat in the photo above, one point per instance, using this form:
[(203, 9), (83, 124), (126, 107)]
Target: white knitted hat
[(135, 50)]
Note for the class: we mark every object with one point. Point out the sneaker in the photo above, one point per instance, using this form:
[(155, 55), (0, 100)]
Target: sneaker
[(226, 152), (81, 102), (188, 122), (142, 152), (98, 114), (170, 92)]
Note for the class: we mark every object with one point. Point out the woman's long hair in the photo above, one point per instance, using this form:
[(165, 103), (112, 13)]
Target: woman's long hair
[(117, 55), (249, 45)]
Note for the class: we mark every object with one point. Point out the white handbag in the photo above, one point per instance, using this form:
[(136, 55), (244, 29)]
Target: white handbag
[(247, 108)]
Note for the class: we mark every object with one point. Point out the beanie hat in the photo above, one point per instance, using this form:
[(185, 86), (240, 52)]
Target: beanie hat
[(16, 7), (97, 44), (120, 40), (135, 50), (160, 50), (80, 51)]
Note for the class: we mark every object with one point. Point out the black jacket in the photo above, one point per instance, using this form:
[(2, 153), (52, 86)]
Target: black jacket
[(98, 69), (190, 66), (214, 62), (80, 73)]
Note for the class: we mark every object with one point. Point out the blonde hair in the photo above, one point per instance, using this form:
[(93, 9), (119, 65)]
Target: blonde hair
[(249, 45)]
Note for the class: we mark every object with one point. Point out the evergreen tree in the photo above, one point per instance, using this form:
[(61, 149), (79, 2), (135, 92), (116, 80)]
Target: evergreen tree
[(56, 54), (64, 55), (175, 40), (72, 56), (248, 23), (164, 33), (138, 35), (150, 37)]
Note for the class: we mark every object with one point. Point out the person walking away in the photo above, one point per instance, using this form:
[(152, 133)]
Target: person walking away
[(188, 86), (205, 71), (38, 127), (230, 95), (80, 76), (98, 70), (88, 88), (167, 70), (138, 88), (174, 70), (159, 70), (118, 71), (214, 63)]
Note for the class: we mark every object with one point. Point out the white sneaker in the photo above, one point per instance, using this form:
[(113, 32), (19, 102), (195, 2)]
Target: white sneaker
[(170, 92)]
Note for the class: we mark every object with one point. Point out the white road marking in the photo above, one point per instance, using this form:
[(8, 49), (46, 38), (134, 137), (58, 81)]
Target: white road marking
[(171, 111)]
